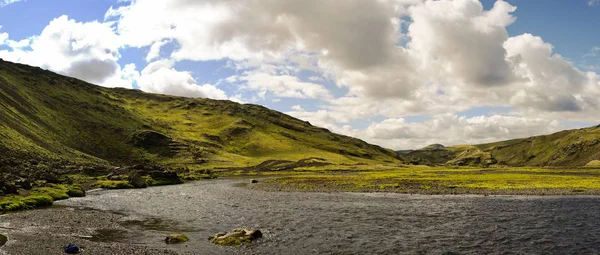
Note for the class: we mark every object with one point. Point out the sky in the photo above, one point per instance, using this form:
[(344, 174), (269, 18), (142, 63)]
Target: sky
[(398, 73)]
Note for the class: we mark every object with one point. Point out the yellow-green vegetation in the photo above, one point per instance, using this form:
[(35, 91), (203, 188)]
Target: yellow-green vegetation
[(40, 197), (444, 180), (569, 148), (236, 237), (107, 184), (176, 238), (52, 126), (593, 163)]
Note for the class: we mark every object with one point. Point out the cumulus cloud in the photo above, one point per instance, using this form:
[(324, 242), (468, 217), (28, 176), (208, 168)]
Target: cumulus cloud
[(88, 51), (154, 52), (463, 41), (161, 77), (283, 86), (449, 129)]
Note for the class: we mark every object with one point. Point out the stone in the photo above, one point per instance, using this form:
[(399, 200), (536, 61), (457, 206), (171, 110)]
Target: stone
[(176, 238), (236, 237), (137, 181)]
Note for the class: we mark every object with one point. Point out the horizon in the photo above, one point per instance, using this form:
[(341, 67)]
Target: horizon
[(408, 74)]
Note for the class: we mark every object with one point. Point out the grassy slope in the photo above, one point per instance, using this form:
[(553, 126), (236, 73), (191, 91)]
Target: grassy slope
[(576, 147), (55, 118)]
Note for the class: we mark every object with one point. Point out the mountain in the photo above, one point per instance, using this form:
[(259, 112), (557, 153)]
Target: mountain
[(578, 147), (52, 121)]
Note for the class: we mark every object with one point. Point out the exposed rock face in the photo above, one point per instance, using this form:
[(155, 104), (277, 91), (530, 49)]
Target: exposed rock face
[(236, 237)]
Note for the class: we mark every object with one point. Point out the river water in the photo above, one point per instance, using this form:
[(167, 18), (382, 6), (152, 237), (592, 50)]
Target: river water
[(354, 223)]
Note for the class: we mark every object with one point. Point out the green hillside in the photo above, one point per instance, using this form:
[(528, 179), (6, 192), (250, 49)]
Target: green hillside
[(578, 147), (49, 121)]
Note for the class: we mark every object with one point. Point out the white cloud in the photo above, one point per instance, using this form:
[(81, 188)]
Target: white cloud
[(283, 86), (594, 52), (154, 52), (88, 51), (7, 2), (161, 77), (462, 41), (449, 129), (3, 38), (593, 2)]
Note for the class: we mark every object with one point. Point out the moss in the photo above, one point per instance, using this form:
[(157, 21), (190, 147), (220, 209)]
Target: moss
[(176, 238), (38, 201), (104, 184), (16, 203), (75, 190), (12, 204), (57, 192), (236, 237)]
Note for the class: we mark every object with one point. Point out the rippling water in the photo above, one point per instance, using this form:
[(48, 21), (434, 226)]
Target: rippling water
[(357, 223)]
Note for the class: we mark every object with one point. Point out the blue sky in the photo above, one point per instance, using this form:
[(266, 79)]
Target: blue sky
[(459, 71)]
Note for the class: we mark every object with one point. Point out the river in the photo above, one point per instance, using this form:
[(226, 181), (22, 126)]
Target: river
[(350, 223)]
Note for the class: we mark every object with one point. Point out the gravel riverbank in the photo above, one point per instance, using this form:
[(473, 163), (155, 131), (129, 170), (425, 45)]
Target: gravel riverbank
[(47, 231)]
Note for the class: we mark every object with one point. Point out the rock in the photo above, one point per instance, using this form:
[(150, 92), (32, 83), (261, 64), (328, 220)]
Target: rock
[(23, 183), (167, 177), (176, 238), (137, 181), (253, 181), (236, 237), (115, 178)]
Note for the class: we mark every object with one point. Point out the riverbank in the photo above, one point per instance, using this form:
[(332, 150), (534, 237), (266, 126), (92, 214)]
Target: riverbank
[(47, 231), (441, 181)]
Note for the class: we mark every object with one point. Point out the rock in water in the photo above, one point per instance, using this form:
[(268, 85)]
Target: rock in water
[(236, 237), (253, 181), (176, 238)]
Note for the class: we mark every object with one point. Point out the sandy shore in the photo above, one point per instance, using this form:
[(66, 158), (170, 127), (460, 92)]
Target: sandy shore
[(47, 231)]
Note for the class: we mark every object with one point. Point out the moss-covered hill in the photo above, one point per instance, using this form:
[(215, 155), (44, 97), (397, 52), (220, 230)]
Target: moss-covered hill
[(61, 121), (578, 147)]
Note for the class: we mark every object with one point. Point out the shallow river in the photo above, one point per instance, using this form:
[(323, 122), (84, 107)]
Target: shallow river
[(355, 223)]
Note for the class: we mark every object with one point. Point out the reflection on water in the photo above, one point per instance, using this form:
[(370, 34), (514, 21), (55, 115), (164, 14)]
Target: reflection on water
[(349, 223)]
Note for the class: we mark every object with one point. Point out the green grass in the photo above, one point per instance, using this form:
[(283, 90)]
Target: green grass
[(442, 180), (40, 197), (49, 118), (569, 148), (106, 184)]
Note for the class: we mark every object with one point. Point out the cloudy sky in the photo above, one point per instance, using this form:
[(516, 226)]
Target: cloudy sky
[(398, 73)]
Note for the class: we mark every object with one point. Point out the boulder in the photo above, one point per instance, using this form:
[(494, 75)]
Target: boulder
[(137, 181), (176, 238), (253, 181), (236, 237)]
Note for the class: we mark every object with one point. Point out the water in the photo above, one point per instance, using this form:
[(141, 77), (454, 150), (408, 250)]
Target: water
[(356, 223)]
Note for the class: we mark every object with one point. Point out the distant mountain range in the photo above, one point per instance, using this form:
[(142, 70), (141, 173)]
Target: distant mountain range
[(578, 147)]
